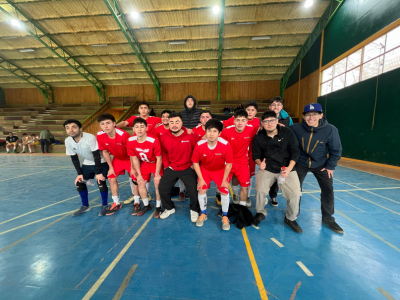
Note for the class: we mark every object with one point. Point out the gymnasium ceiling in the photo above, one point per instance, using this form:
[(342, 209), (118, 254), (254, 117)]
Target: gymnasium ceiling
[(76, 25)]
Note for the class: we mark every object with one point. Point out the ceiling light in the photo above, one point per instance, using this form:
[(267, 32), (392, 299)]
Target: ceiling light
[(99, 45), (265, 37), (114, 64), (173, 27), (308, 3), (135, 15), (216, 9), (9, 37), (246, 23), (184, 70), (16, 23), (26, 50), (177, 42)]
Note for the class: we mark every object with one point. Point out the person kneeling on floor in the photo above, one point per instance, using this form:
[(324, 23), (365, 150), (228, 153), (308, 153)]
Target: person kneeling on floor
[(275, 147)]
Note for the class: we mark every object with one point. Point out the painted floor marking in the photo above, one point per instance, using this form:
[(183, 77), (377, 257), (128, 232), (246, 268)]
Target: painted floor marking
[(277, 242), (304, 268)]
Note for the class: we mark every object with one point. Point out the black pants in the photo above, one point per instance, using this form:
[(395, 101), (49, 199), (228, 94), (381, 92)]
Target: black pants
[(44, 144), (169, 179), (326, 185), (273, 191)]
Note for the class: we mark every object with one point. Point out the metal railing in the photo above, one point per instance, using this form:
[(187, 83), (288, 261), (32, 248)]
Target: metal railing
[(92, 118)]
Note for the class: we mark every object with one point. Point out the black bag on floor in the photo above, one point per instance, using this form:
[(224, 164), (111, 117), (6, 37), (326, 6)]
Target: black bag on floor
[(243, 215)]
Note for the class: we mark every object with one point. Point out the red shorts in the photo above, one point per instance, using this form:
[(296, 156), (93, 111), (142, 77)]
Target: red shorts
[(120, 166), (215, 176), (146, 170), (242, 173)]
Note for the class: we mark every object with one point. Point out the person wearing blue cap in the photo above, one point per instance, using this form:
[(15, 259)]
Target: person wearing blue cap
[(316, 136)]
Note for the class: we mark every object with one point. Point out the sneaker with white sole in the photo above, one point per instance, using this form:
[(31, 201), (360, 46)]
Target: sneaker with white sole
[(248, 202), (200, 221), (274, 202), (235, 199), (129, 200), (194, 216), (81, 210), (167, 213), (225, 223)]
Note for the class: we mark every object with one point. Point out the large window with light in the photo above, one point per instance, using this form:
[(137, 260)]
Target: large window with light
[(379, 56)]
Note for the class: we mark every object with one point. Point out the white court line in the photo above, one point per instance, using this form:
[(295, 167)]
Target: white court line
[(31, 174), (304, 268), (276, 242)]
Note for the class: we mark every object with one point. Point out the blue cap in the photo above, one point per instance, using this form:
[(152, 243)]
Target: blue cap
[(312, 107)]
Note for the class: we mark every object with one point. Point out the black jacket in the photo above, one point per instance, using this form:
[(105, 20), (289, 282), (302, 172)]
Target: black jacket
[(190, 117), (279, 151), (315, 142)]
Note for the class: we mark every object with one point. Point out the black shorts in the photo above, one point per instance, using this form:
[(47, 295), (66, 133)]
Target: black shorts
[(89, 171)]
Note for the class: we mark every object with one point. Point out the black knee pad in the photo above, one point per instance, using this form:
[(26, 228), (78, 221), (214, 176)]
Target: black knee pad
[(102, 186), (81, 187), (134, 182)]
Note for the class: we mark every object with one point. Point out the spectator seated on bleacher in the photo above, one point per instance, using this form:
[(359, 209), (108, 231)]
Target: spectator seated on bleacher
[(11, 141), (24, 142)]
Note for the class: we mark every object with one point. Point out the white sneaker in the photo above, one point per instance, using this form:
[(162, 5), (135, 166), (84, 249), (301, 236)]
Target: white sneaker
[(235, 199), (266, 200), (194, 216), (129, 200), (167, 213), (201, 220)]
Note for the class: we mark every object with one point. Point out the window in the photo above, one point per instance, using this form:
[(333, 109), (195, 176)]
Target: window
[(379, 56)]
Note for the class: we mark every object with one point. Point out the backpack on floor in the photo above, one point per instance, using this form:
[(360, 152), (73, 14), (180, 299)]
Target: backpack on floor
[(243, 215)]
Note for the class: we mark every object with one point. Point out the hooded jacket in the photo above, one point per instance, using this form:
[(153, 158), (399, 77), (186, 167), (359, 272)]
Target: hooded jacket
[(190, 116), (315, 142), (285, 119)]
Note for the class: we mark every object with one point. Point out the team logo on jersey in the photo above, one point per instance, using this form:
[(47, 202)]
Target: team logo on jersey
[(185, 141), (142, 150), (246, 137), (119, 144), (218, 153), (106, 144)]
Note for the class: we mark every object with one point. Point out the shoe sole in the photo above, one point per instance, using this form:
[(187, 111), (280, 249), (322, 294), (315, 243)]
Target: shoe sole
[(200, 225), (226, 229), (337, 231), (166, 216), (139, 215), (111, 213), (274, 205), (82, 213)]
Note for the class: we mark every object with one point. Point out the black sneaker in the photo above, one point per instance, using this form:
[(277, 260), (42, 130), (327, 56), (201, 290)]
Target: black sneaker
[(81, 210), (144, 210), (157, 213), (136, 209), (334, 226), (293, 224), (274, 202), (258, 218), (103, 210)]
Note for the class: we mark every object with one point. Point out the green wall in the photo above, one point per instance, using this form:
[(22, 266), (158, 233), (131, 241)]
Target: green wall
[(351, 110)]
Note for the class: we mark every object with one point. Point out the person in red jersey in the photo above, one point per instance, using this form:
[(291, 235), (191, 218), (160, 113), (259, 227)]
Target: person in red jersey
[(143, 109), (164, 126), (113, 141), (251, 109), (200, 129), (212, 160), (240, 136), (145, 152), (177, 148)]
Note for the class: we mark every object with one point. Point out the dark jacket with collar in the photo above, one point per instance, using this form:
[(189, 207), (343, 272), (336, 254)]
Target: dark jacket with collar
[(315, 142), (277, 151), (190, 117)]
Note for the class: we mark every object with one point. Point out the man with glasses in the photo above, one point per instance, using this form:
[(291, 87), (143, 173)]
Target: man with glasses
[(276, 105), (275, 147), (315, 136)]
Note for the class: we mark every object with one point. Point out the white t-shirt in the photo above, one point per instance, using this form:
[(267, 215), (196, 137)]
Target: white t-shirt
[(84, 148)]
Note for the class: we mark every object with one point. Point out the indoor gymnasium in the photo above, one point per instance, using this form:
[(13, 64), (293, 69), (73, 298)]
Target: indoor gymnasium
[(199, 149)]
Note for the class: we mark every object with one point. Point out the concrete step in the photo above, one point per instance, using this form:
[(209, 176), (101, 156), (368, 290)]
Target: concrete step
[(36, 149), (72, 112)]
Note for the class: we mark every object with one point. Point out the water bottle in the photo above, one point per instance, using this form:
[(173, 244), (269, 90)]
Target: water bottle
[(89, 182), (281, 180)]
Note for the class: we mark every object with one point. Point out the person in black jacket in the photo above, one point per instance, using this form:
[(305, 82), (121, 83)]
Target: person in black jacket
[(191, 114), (275, 147), (315, 136)]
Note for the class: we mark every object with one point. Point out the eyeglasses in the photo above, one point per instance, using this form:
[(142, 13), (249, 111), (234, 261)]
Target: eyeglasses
[(269, 121), (276, 105), (314, 115)]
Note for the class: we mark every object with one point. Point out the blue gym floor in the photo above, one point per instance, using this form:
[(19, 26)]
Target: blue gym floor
[(47, 254)]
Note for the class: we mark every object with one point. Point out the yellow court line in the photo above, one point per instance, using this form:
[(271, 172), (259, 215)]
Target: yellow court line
[(304, 268), (366, 229), (103, 276), (276, 242), (375, 203), (124, 283), (31, 174), (386, 294), (260, 284)]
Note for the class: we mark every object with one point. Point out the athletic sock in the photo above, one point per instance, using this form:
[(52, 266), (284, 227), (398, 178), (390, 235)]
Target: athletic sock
[(145, 201), (85, 197), (225, 204), (158, 203), (243, 203), (249, 188), (235, 189), (181, 186), (116, 199), (23, 148), (8, 151), (137, 199), (203, 203), (147, 186), (104, 197)]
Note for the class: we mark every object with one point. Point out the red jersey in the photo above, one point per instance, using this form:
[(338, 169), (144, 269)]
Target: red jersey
[(151, 122), (213, 159), (117, 145), (240, 142), (160, 130), (199, 131), (177, 150), (146, 151), (255, 122)]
